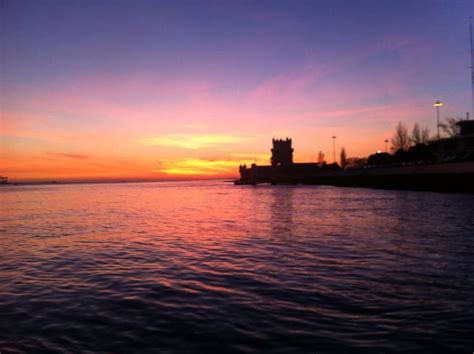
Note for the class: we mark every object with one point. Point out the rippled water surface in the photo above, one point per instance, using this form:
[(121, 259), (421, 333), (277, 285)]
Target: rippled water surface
[(212, 267)]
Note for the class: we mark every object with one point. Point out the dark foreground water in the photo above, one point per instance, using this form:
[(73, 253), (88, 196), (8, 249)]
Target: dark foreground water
[(210, 267)]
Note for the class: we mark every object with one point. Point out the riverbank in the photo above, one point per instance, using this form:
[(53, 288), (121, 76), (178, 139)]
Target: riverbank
[(448, 177)]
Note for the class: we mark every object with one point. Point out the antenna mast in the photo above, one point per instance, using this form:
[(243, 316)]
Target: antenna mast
[(472, 65)]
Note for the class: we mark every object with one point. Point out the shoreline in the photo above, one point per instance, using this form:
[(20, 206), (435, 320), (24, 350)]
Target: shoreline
[(448, 177)]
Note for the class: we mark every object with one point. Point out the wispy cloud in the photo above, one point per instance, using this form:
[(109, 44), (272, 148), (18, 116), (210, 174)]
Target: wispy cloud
[(188, 141), (69, 155), (287, 85)]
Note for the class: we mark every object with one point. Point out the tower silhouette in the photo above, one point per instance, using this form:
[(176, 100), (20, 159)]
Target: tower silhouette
[(282, 152)]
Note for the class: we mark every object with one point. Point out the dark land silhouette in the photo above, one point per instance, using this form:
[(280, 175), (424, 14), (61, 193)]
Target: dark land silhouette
[(444, 165)]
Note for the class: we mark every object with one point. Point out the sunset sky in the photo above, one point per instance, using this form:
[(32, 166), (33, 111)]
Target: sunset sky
[(179, 89)]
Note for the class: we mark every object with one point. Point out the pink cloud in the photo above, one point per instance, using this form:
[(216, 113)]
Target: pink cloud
[(287, 85)]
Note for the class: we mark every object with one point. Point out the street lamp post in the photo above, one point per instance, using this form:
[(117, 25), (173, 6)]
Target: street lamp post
[(386, 145), (437, 104), (334, 148)]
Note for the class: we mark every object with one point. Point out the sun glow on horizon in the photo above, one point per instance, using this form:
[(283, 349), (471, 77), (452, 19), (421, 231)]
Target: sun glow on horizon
[(188, 141), (190, 167)]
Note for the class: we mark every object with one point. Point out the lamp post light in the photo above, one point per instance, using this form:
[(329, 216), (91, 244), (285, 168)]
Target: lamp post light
[(334, 148), (386, 145), (437, 104)]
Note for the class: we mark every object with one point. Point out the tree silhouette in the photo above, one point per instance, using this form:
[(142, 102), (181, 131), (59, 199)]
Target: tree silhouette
[(401, 140), (450, 127), (420, 135), (380, 159), (343, 157), (321, 158)]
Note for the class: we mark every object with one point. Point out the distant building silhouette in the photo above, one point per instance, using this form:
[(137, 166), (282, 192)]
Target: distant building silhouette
[(460, 147), (282, 168)]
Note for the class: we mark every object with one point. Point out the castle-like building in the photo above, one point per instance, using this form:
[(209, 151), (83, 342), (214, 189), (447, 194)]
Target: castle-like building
[(282, 168)]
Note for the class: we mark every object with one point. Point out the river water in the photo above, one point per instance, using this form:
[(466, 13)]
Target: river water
[(212, 267)]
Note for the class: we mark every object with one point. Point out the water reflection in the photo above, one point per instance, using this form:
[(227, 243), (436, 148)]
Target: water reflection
[(281, 211), (212, 267)]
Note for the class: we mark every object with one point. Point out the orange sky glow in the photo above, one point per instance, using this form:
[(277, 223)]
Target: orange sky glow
[(103, 105)]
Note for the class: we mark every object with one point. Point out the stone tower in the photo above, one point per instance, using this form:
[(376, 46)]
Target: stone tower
[(282, 152)]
